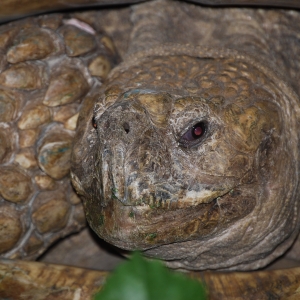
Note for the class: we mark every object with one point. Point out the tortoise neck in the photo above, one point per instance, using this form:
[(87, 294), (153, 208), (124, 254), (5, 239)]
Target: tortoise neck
[(270, 35)]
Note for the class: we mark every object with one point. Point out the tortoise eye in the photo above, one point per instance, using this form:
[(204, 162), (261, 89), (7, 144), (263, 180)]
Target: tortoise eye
[(94, 122), (194, 134)]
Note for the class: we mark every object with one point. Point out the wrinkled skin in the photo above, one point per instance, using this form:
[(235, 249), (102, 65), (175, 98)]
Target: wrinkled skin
[(149, 183)]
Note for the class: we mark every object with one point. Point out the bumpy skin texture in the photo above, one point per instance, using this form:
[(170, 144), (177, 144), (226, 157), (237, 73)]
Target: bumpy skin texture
[(45, 73), (225, 200)]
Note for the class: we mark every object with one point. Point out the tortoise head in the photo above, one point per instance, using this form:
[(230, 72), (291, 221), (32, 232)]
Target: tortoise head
[(191, 160)]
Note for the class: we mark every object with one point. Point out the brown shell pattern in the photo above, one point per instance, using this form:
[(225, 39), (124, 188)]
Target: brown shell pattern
[(43, 79)]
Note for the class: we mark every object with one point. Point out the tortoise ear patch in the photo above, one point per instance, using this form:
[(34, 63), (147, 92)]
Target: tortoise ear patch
[(248, 126)]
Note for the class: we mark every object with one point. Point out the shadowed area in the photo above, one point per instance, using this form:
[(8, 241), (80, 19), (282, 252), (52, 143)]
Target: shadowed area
[(83, 250)]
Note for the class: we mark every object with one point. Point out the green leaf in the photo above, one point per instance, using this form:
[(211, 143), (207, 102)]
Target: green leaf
[(140, 279)]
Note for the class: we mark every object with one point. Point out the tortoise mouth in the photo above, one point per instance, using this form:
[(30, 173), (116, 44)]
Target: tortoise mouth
[(150, 224), (167, 196), (130, 187)]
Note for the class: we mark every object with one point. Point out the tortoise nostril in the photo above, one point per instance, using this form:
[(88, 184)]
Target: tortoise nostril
[(126, 127)]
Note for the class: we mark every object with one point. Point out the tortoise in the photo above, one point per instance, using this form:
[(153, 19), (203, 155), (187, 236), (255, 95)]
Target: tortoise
[(186, 150)]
